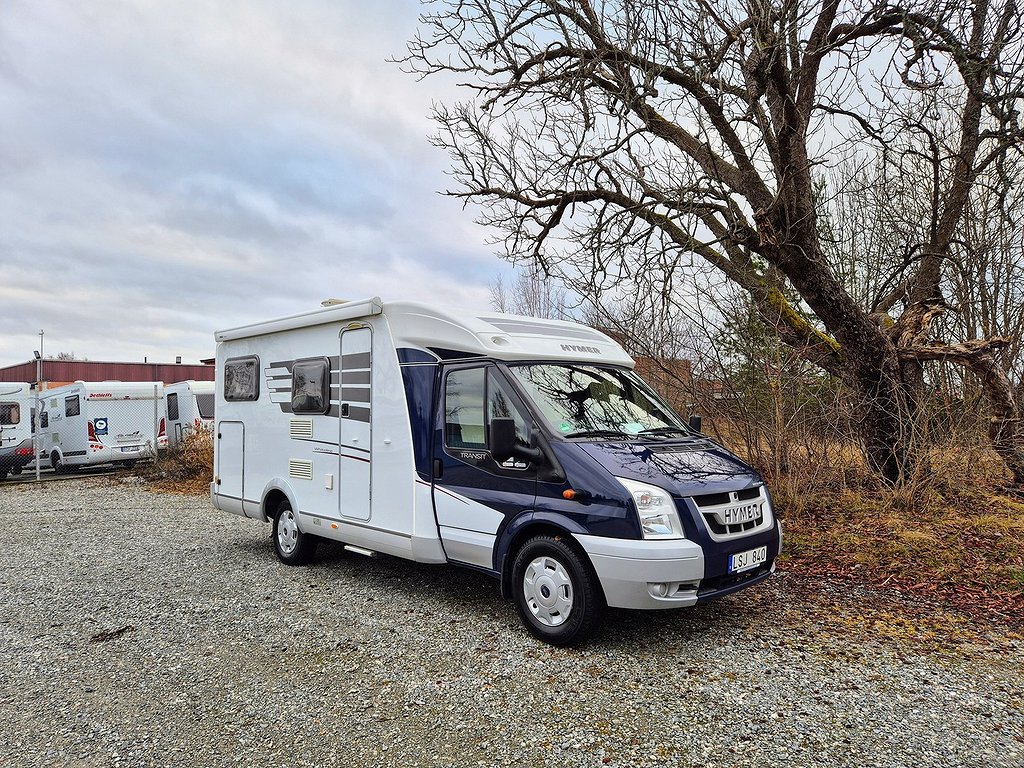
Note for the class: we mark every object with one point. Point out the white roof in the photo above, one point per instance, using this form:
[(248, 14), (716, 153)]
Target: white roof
[(109, 390), (488, 334)]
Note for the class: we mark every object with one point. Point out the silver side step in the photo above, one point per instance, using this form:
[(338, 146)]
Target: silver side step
[(360, 550)]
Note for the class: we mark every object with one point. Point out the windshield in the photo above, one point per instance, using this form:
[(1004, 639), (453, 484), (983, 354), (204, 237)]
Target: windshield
[(578, 400)]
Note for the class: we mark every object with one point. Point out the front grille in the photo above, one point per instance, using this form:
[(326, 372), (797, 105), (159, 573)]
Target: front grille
[(711, 505)]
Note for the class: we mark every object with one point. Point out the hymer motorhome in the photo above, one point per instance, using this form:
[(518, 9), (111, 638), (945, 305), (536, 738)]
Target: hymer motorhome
[(525, 448)]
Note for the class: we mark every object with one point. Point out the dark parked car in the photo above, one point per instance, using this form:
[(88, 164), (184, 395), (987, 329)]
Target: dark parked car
[(14, 457)]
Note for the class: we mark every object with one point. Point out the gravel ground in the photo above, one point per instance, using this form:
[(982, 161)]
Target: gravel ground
[(233, 659)]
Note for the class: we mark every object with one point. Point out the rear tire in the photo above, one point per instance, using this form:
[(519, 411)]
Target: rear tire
[(293, 547), (58, 466), (557, 595)]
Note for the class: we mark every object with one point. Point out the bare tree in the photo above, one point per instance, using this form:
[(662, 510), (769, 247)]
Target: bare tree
[(656, 139)]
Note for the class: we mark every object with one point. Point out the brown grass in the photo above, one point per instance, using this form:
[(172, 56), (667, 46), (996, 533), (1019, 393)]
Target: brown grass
[(187, 468)]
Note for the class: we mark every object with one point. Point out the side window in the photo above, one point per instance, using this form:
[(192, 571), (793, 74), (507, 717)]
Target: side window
[(472, 398), (502, 404), (241, 379), (464, 409), (205, 405), (72, 406), (10, 413), (311, 386), (44, 420), (172, 406), (33, 421)]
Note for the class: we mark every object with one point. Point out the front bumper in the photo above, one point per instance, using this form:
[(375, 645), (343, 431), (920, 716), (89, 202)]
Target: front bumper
[(656, 575)]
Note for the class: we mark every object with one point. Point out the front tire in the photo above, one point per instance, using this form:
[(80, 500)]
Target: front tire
[(556, 593), (293, 547)]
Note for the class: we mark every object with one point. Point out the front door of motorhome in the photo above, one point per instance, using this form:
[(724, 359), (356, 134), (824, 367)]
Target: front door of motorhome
[(355, 407), (473, 493)]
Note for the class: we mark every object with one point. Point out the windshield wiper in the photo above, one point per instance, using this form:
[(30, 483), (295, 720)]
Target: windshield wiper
[(598, 433), (665, 431)]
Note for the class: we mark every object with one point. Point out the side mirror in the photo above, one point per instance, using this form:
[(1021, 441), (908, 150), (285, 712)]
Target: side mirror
[(503, 439), (504, 446), (695, 422)]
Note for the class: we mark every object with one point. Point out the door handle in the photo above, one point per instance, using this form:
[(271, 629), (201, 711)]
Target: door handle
[(344, 410), (438, 469)]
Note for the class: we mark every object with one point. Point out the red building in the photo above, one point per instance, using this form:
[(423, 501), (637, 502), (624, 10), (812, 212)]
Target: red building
[(56, 373)]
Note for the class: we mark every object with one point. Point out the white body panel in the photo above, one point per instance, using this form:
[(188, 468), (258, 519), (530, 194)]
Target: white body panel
[(189, 406), (16, 404), (301, 455), (125, 416)]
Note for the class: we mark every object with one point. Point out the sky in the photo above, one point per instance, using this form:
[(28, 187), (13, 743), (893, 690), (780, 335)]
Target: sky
[(171, 169)]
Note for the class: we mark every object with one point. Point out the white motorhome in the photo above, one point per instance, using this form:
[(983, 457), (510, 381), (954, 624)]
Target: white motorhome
[(17, 407), (527, 449), (190, 407), (106, 422)]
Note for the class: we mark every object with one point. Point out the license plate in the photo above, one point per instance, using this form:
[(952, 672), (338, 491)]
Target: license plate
[(130, 449), (744, 561), (741, 514)]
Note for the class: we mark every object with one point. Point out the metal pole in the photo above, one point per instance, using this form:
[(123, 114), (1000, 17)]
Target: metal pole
[(35, 416)]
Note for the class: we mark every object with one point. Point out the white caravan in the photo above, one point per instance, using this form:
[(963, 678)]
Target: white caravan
[(107, 422), (527, 449), (17, 406), (17, 402), (189, 409)]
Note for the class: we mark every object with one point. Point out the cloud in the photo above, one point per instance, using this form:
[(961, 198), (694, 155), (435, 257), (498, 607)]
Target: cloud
[(169, 169)]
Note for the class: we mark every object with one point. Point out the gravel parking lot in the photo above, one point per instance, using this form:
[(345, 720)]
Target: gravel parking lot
[(148, 629)]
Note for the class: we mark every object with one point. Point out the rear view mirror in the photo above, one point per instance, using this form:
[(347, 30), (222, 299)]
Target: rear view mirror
[(503, 439), (695, 422)]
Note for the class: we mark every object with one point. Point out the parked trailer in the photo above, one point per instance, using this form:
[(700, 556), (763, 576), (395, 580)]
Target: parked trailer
[(17, 408), (190, 408), (524, 448), (108, 422)]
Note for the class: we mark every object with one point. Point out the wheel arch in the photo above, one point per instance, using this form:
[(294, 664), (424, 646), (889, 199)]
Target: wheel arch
[(523, 528), (274, 493)]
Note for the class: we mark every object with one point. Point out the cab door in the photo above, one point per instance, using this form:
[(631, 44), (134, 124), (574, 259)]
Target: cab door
[(473, 493)]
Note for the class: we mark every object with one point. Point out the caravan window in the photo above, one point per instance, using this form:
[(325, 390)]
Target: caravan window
[(44, 420), (205, 405), (311, 386), (172, 406), (10, 414), (241, 379), (72, 406)]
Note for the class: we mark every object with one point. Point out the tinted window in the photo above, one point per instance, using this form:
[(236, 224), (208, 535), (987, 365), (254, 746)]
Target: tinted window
[(44, 420), (311, 386), (464, 409), (472, 398), (205, 405), (241, 379), (72, 406), (172, 406), (10, 413)]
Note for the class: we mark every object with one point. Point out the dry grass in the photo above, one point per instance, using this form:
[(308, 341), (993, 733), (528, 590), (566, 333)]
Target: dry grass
[(187, 468), (951, 530)]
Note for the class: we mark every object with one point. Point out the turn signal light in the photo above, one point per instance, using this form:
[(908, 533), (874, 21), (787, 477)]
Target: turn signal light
[(574, 495)]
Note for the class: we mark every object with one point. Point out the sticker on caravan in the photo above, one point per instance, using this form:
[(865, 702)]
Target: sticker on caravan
[(100, 426)]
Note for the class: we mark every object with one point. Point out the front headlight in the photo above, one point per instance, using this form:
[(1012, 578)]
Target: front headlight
[(658, 516)]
